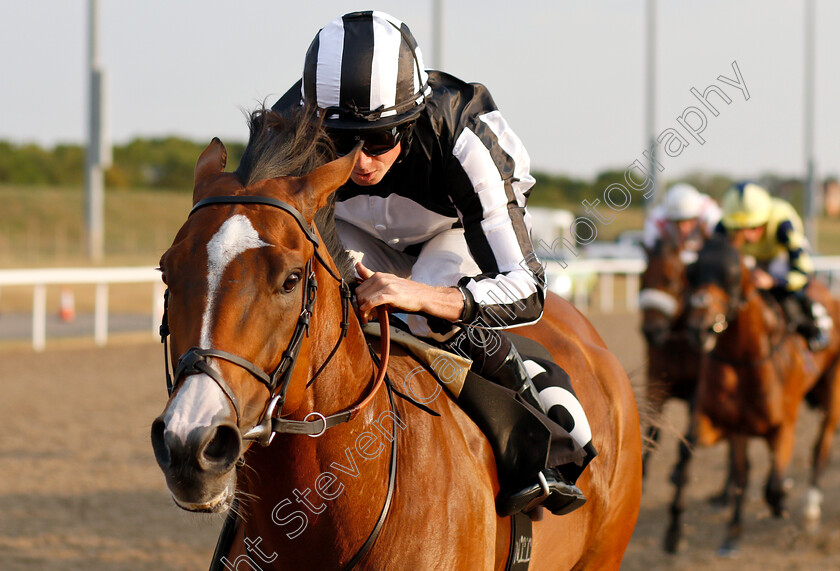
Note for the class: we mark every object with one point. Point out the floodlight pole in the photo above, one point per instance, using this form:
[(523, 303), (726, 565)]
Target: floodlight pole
[(98, 154), (437, 33), (811, 188), (650, 112)]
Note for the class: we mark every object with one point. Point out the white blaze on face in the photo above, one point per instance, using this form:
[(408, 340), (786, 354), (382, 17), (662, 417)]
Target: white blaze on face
[(236, 235), (200, 400)]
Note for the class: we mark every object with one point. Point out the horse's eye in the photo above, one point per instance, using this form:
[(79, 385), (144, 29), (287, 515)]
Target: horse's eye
[(291, 282)]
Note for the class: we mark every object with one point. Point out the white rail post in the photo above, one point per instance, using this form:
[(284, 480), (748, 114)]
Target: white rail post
[(39, 317), (631, 291), (100, 315), (607, 290), (581, 295)]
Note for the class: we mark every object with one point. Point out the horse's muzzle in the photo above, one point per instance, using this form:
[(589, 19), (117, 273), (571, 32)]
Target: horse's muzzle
[(199, 470)]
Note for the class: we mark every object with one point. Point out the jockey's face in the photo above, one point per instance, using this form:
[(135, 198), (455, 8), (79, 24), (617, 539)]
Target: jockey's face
[(685, 228), (750, 235), (370, 170)]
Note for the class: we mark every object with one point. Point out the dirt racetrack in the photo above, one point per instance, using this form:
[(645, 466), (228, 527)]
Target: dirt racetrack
[(80, 488)]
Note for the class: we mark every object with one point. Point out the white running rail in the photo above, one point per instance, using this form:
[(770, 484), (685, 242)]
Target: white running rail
[(577, 281), (102, 278)]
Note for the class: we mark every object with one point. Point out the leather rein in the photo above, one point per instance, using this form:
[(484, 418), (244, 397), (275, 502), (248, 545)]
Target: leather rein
[(196, 360)]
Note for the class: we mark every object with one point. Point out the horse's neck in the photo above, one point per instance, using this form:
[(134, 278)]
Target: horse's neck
[(755, 332), (312, 484), (348, 369)]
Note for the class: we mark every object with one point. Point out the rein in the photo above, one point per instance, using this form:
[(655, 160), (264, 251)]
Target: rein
[(195, 359)]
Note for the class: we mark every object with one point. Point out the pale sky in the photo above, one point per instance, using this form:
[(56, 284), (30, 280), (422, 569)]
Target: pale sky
[(569, 76)]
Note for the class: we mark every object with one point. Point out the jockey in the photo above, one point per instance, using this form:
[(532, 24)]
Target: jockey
[(434, 216), (685, 216), (770, 230)]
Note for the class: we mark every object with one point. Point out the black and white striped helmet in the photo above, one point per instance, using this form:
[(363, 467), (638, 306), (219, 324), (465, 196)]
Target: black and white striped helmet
[(365, 71)]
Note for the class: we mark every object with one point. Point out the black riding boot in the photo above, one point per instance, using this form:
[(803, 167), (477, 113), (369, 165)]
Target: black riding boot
[(549, 487)]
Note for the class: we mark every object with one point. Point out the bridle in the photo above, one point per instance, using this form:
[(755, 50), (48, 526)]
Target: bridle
[(195, 359)]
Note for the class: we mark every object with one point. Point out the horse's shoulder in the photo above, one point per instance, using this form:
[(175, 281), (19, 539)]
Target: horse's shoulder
[(597, 376), (570, 337)]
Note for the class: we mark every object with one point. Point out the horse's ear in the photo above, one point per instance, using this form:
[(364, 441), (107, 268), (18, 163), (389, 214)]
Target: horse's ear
[(326, 179), (211, 162)]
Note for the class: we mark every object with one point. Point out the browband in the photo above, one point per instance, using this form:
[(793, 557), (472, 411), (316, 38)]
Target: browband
[(265, 200)]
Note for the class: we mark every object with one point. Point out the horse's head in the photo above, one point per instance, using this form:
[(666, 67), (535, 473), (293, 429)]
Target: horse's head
[(241, 287), (717, 282), (663, 285)]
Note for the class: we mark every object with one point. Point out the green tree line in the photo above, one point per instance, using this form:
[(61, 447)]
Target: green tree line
[(159, 163), (168, 163), (568, 192)]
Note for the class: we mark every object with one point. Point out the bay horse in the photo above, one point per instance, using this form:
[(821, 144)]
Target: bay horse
[(356, 478), (673, 362), (754, 375)]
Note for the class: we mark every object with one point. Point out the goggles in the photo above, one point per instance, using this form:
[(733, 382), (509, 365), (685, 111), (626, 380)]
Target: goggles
[(375, 143)]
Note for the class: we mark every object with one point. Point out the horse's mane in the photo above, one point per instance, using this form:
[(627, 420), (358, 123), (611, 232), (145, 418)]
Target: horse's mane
[(292, 145), (325, 221)]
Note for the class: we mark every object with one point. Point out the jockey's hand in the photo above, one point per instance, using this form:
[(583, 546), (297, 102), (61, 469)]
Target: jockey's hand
[(379, 289), (762, 279)]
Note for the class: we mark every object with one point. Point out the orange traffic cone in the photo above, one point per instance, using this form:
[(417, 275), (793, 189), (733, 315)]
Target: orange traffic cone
[(67, 305)]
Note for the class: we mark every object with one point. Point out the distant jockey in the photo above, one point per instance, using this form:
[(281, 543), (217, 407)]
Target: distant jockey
[(686, 217), (770, 230)]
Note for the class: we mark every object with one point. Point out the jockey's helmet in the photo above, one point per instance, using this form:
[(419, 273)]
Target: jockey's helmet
[(682, 202), (746, 205), (365, 72)]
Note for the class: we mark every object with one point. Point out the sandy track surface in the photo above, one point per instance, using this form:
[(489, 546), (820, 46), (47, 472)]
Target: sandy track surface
[(80, 488)]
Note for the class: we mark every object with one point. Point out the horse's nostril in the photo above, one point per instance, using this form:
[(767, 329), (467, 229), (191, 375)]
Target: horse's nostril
[(162, 454), (223, 449)]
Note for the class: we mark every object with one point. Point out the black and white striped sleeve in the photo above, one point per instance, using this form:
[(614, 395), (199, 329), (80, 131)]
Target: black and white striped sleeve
[(493, 167)]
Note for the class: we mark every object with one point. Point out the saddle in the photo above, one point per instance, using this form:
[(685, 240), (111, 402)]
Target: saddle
[(519, 437)]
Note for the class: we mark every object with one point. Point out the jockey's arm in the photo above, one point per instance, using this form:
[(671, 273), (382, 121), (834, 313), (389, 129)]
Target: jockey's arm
[(801, 266), (488, 185)]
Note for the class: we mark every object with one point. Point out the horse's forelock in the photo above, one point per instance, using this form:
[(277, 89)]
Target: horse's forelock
[(282, 145), (292, 145)]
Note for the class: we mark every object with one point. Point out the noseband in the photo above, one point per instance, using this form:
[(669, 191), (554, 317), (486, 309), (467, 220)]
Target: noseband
[(195, 359)]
